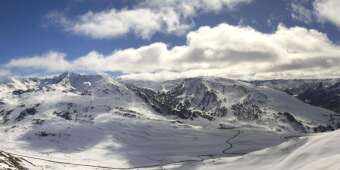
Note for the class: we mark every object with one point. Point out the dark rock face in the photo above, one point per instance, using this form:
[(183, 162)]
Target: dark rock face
[(26, 112), (290, 119), (11, 161), (178, 101), (326, 97), (5, 115), (247, 111), (126, 112), (38, 121), (164, 103), (45, 134), (19, 92), (64, 114), (323, 128)]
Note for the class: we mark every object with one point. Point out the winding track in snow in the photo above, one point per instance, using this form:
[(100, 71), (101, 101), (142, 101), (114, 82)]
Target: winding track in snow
[(228, 141)]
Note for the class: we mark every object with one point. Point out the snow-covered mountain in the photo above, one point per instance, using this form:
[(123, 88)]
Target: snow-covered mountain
[(75, 97), (230, 101), (69, 96), (129, 123), (319, 92)]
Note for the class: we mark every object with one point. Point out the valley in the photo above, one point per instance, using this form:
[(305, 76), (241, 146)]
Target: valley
[(102, 123)]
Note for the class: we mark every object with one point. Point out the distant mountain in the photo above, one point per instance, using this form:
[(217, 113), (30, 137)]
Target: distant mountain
[(323, 92), (76, 97)]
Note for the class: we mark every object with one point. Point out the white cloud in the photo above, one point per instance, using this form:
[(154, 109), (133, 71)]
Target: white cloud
[(224, 50), (328, 10), (301, 12), (144, 20), (52, 61), (319, 11), (190, 8), (146, 58)]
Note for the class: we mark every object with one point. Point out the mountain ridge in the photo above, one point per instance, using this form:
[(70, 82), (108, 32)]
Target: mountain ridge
[(125, 123), (209, 98)]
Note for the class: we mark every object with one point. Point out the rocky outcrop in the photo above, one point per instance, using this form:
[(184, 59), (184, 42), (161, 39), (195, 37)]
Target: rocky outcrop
[(247, 111), (179, 102), (10, 162), (26, 112)]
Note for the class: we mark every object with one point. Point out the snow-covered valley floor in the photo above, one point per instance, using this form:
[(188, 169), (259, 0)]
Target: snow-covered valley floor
[(316, 152), (130, 143)]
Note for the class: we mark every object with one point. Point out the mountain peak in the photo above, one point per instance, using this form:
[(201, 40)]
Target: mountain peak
[(75, 80)]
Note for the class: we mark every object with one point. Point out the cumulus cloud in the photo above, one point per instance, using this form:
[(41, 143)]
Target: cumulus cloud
[(144, 19), (52, 61), (224, 50), (319, 11), (328, 10)]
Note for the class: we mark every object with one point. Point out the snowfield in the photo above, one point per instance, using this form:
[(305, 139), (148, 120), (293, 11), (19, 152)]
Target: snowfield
[(124, 143), (316, 152), (75, 121)]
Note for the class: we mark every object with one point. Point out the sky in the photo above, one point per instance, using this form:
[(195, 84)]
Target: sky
[(167, 39)]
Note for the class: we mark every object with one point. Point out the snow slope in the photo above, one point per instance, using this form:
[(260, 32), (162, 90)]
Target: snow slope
[(323, 93), (122, 142), (75, 97), (93, 121), (316, 152)]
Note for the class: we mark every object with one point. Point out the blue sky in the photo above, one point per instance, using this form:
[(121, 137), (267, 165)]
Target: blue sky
[(35, 29)]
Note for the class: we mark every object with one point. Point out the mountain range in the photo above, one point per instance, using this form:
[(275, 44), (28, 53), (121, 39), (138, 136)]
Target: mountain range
[(135, 123)]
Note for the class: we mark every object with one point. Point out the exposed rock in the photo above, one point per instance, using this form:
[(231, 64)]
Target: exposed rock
[(290, 119), (44, 134), (19, 92), (247, 111), (323, 128), (38, 121), (26, 112), (177, 101), (64, 114), (5, 115), (12, 162)]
